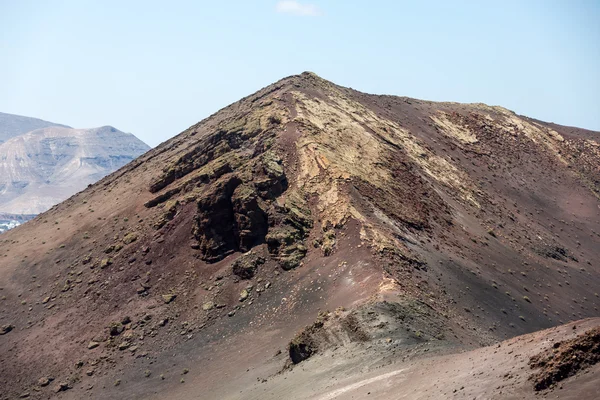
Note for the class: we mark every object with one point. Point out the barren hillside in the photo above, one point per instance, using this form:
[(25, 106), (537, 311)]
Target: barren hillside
[(312, 241)]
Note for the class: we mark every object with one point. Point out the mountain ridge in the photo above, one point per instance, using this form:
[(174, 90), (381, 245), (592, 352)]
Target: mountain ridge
[(42, 167), (12, 125)]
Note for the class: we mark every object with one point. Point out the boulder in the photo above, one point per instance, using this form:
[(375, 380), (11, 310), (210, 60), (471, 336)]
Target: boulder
[(129, 238), (167, 298), (4, 329), (246, 265), (62, 386), (116, 328), (124, 345), (43, 381)]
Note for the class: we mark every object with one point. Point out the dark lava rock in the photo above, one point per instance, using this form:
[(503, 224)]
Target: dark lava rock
[(116, 328), (245, 267)]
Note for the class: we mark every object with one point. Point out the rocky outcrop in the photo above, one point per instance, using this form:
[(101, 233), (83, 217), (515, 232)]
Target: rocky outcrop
[(566, 359), (241, 211), (237, 181)]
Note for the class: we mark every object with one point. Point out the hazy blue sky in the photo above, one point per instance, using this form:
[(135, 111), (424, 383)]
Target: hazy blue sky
[(155, 68)]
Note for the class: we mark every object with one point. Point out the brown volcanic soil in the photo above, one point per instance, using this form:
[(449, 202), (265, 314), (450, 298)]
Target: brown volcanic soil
[(379, 372), (419, 230)]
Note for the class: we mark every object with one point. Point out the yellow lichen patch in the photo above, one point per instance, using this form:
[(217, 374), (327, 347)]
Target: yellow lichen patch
[(380, 242), (555, 135), (354, 140), (445, 172), (451, 129), (435, 166), (339, 144), (537, 133), (215, 168), (335, 147), (259, 119), (387, 284), (334, 207)]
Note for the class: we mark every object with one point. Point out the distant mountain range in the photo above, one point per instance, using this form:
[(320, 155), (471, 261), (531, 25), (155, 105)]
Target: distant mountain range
[(9, 221), (43, 163), (15, 125)]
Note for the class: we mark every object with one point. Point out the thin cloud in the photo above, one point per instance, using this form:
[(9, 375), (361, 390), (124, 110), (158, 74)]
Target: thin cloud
[(295, 8)]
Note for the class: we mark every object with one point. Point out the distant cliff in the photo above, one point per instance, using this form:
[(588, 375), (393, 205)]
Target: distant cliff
[(45, 166)]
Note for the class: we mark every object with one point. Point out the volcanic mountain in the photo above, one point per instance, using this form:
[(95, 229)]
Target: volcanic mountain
[(314, 242)]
